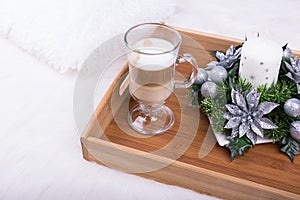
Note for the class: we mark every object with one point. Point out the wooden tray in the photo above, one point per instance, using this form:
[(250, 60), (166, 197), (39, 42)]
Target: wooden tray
[(263, 173)]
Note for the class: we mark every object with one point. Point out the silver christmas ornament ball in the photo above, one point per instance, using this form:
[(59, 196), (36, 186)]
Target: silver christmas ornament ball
[(292, 107), (202, 76), (218, 74), (209, 89), (295, 130)]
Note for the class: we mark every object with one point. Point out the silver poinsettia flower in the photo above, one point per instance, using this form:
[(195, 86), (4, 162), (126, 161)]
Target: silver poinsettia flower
[(293, 68), (294, 71), (226, 60), (245, 116)]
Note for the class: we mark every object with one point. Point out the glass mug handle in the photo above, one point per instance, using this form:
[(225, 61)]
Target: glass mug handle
[(183, 58)]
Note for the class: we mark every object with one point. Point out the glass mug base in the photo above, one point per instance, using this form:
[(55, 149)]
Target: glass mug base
[(150, 122)]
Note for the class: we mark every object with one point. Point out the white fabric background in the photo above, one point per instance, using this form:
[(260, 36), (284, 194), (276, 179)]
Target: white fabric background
[(40, 154)]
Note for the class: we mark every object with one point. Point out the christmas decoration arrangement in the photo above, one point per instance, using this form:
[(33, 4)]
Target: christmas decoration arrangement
[(251, 92)]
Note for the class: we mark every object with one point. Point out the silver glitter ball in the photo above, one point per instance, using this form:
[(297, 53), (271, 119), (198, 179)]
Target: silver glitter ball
[(295, 130), (202, 76), (292, 107), (218, 74), (209, 89)]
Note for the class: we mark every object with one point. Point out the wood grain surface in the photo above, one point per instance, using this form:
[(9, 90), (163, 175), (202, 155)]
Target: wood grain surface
[(262, 173)]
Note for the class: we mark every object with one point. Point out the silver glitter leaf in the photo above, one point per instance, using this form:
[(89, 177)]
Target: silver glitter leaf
[(289, 74), (233, 122), (296, 77), (290, 68), (243, 129), (230, 50), (220, 55), (228, 116), (252, 137), (234, 132), (252, 99), (265, 123), (287, 53), (295, 62), (255, 126), (237, 52), (239, 100), (224, 63), (233, 109), (267, 107), (259, 114)]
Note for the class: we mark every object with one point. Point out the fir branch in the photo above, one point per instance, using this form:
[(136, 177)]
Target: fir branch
[(238, 84), (215, 108), (283, 122), (233, 72), (278, 93), (215, 113)]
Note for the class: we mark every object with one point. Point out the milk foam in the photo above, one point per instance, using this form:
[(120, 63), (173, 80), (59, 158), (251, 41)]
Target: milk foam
[(157, 59)]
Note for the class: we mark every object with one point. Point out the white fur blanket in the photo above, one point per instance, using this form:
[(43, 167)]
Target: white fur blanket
[(63, 33)]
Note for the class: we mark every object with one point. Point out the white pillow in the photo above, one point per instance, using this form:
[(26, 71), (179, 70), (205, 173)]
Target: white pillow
[(63, 33)]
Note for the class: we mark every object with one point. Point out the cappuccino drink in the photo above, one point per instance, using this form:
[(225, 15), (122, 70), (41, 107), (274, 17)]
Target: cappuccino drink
[(151, 68)]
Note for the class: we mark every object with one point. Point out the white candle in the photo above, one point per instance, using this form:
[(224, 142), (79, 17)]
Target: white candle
[(260, 61)]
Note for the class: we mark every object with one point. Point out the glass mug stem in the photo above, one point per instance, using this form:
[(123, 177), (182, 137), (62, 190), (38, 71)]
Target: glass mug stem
[(152, 58)]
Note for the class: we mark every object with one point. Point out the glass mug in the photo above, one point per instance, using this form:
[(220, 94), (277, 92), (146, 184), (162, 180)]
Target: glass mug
[(152, 58)]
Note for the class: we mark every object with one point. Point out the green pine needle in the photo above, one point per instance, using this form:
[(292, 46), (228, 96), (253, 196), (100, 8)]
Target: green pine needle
[(279, 93)]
